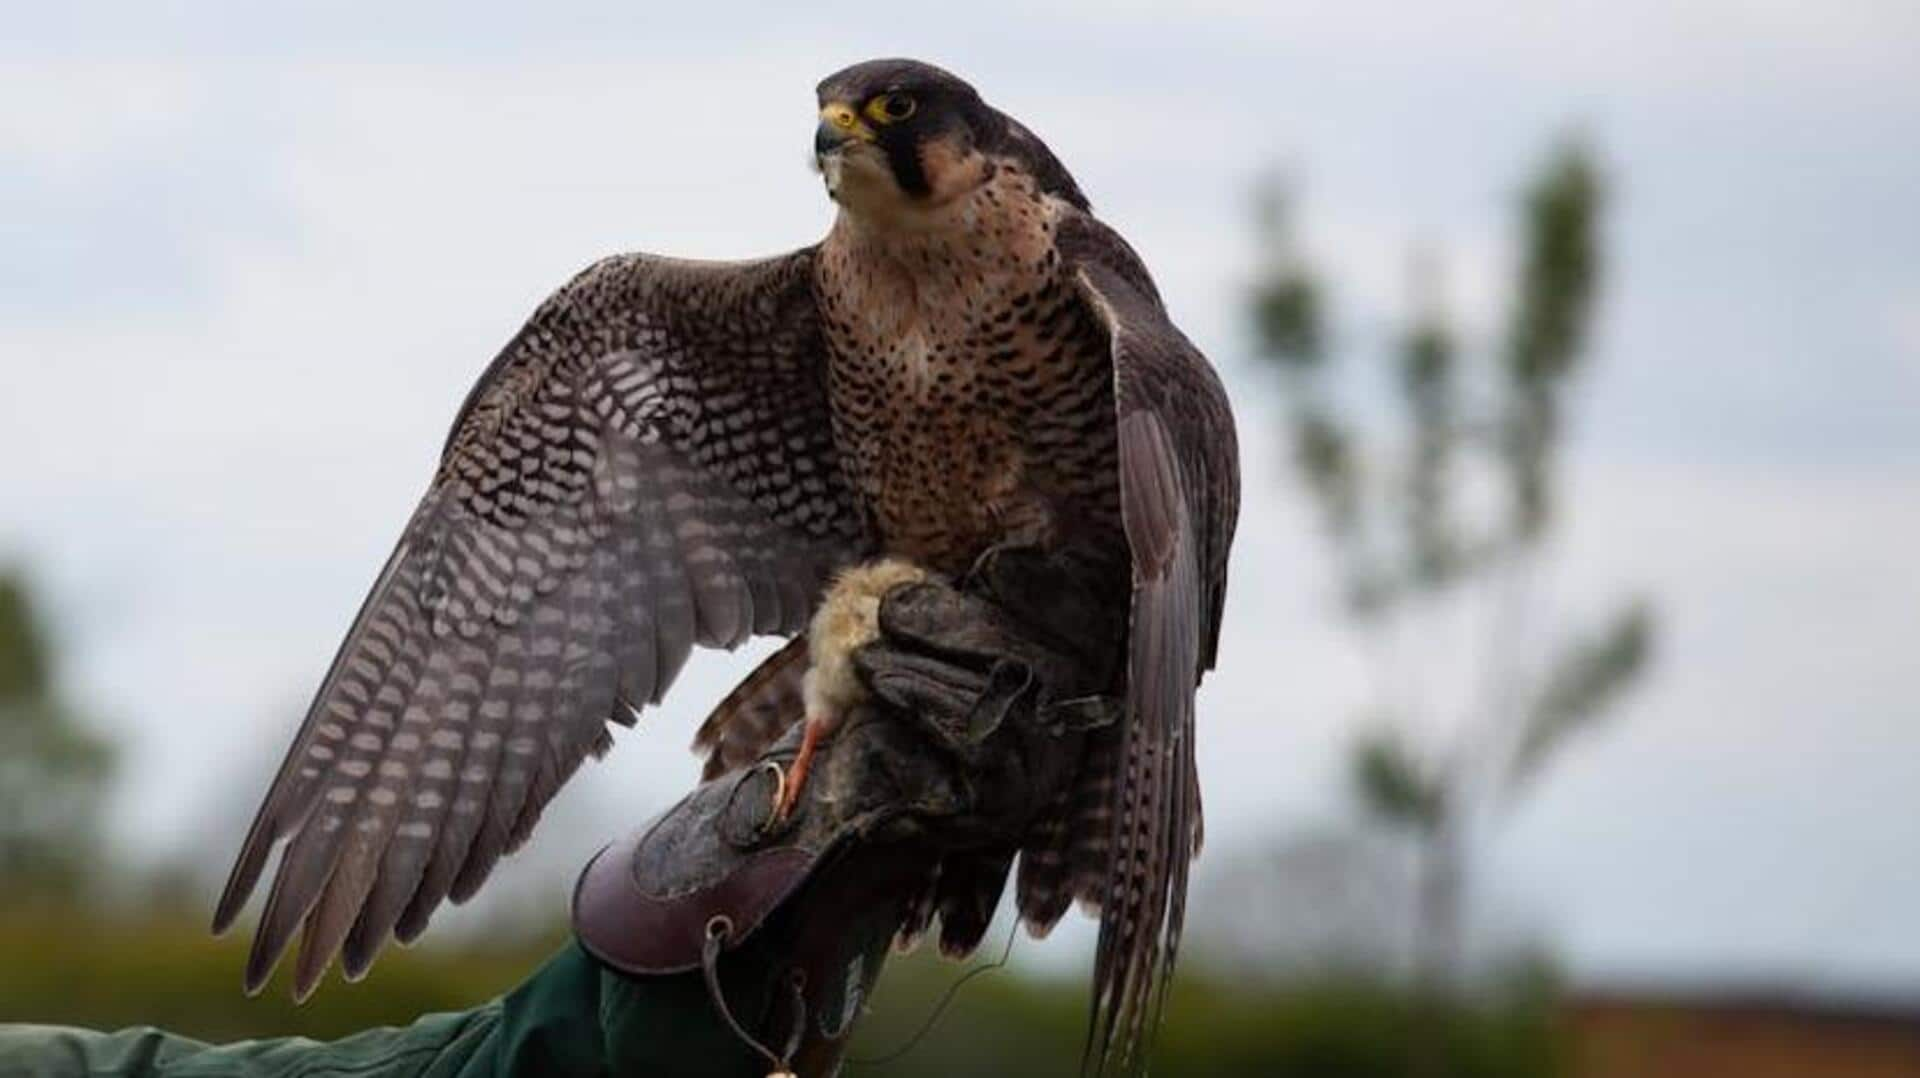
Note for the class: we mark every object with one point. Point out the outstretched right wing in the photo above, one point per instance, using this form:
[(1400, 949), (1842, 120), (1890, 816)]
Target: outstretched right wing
[(1179, 476), (647, 465)]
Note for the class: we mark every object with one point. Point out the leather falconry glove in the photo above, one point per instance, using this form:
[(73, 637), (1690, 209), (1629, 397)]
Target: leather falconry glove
[(981, 698)]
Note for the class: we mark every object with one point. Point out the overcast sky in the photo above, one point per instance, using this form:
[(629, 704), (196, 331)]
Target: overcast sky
[(250, 262)]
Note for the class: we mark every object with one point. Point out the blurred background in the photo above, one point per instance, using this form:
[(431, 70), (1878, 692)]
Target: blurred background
[(1565, 720)]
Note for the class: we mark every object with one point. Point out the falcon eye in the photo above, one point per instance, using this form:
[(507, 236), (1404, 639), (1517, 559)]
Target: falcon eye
[(891, 108)]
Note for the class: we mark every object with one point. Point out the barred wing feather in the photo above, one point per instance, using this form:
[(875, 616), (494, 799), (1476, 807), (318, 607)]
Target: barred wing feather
[(647, 466)]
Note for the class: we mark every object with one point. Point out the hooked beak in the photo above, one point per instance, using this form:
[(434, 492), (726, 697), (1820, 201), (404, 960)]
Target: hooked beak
[(827, 140), (839, 125)]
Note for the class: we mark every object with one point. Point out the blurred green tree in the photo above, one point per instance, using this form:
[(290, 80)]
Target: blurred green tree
[(53, 770), (1451, 497)]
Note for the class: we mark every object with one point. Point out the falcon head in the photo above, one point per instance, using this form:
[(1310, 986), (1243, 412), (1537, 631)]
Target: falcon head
[(900, 136)]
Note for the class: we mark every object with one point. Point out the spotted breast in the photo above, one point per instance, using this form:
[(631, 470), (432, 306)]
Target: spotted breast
[(972, 392)]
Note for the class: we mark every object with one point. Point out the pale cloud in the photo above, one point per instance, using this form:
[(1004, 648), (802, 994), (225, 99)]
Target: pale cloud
[(85, 115), (1903, 323), (1632, 47), (1770, 755)]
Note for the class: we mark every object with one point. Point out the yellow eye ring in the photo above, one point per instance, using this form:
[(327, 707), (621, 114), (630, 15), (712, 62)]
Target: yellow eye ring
[(891, 108)]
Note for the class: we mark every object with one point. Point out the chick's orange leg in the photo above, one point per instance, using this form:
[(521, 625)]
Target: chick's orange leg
[(796, 777)]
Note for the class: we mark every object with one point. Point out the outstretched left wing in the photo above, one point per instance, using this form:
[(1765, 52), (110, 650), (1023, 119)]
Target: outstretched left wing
[(647, 466), (1180, 498)]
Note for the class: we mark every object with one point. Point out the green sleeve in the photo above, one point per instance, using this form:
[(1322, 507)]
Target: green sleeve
[(571, 1019)]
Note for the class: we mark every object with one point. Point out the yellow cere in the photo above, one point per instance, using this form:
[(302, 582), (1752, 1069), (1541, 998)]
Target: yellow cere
[(842, 117)]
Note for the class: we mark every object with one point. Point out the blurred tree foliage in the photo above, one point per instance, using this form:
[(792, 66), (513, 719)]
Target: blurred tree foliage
[(1397, 501), (54, 771)]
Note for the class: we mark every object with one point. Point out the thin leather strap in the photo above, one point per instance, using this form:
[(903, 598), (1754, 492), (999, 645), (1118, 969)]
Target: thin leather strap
[(719, 928)]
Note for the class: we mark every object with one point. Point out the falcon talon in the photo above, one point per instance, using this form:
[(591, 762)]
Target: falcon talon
[(983, 568)]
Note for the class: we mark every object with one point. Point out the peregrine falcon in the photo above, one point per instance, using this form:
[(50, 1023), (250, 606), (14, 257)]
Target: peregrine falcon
[(675, 452)]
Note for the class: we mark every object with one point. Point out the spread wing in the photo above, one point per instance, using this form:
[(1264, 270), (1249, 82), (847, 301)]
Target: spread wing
[(648, 465), (1180, 495)]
